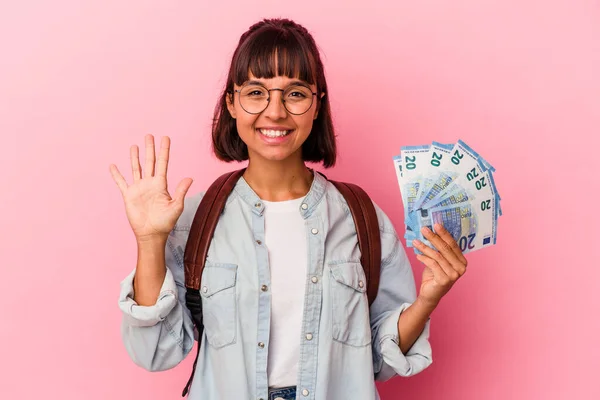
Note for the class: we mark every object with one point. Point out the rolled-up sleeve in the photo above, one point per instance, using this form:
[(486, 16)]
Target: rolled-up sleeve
[(390, 359), (158, 337), (396, 293), (144, 316)]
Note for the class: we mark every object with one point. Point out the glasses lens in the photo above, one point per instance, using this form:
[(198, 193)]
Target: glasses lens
[(297, 99), (254, 98)]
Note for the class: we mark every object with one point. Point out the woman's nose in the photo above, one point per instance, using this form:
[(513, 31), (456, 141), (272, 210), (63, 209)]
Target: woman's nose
[(275, 109)]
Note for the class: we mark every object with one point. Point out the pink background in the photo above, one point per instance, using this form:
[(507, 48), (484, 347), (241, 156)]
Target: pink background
[(518, 80)]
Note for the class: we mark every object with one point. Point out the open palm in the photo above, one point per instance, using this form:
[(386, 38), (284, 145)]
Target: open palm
[(150, 209)]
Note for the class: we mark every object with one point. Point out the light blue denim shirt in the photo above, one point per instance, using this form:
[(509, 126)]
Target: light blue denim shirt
[(344, 345)]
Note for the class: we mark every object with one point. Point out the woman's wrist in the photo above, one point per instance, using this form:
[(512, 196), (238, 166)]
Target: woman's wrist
[(425, 306)]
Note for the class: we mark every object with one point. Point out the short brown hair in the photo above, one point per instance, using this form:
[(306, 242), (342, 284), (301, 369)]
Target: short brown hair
[(291, 47)]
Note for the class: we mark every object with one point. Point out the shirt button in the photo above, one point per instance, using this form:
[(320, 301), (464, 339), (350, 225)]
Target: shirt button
[(314, 231), (304, 206), (361, 284), (261, 345), (264, 288), (205, 289), (305, 392), (309, 336), (257, 205), (258, 242), (314, 279)]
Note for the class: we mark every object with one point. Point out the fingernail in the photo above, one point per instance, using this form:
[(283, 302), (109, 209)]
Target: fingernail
[(425, 230)]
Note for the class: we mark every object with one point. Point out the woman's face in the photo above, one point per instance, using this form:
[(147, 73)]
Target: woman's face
[(274, 134)]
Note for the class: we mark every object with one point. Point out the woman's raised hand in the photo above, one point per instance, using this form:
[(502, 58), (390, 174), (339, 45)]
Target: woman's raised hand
[(151, 211)]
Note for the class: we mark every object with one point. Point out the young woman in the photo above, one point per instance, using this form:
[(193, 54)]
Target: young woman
[(284, 305)]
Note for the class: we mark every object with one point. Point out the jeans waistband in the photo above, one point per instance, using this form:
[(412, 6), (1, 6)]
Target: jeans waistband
[(284, 393)]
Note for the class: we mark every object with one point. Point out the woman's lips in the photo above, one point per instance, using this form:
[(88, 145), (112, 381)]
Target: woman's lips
[(274, 139)]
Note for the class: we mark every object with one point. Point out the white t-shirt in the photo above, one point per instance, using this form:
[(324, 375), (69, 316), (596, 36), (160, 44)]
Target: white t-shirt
[(285, 239)]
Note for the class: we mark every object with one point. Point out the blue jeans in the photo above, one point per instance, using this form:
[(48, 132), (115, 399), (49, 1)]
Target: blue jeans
[(285, 393)]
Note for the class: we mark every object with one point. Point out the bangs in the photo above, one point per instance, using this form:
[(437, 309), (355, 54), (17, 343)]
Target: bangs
[(271, 52)]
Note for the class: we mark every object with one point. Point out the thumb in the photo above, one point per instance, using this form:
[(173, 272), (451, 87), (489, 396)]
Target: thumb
[(181, 190)]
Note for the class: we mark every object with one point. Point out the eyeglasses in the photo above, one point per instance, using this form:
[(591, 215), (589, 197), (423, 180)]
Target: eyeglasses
[(254, 98)]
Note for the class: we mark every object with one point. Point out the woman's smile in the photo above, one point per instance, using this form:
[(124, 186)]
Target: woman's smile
[(274, 135)]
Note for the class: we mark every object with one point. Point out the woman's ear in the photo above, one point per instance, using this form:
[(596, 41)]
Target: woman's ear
[(230, 106)]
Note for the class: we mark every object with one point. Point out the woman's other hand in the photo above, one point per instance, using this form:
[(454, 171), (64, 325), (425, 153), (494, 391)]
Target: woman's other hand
[(443, 267)]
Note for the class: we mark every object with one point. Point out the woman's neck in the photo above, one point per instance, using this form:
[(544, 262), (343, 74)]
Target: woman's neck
[(278, 181)]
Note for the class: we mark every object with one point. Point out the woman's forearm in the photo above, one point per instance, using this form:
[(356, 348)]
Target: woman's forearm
[(150, 272), (412, 322)]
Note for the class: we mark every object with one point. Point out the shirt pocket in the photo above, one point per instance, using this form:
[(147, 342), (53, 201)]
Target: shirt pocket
[(350, 306), (219, 305)]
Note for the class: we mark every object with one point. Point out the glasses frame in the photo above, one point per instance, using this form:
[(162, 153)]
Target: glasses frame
[(269, 98)]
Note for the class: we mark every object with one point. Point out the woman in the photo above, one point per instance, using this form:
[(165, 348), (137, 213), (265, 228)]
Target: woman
[(285, 312)]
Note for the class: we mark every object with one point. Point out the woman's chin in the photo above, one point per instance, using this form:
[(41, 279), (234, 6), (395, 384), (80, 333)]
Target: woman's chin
[(277, 155)]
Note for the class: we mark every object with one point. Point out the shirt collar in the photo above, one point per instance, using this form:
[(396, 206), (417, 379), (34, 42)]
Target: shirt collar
[(306, 208)]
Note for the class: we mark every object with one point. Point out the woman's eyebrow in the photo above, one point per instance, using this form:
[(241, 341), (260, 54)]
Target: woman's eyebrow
[(299, 82)]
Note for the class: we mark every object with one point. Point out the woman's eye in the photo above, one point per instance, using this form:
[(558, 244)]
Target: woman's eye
[(297, 94)]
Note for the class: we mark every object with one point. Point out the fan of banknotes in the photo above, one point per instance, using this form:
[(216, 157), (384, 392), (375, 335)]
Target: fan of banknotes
[(452, 185)]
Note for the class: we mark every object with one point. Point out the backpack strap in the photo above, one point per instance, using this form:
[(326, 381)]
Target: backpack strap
[(367, 229), (196, 249), (204, 224)]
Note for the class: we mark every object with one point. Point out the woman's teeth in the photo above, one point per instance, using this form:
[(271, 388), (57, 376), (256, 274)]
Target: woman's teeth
[(272, 133)]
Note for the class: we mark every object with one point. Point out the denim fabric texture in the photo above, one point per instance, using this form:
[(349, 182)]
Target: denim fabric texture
[(345, 345)]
